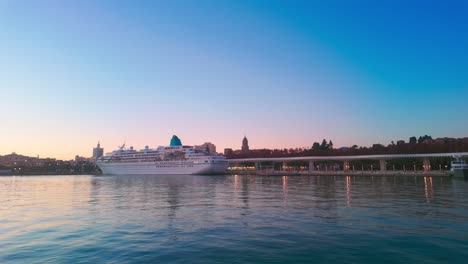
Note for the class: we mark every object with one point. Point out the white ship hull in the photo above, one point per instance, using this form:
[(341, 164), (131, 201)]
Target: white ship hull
[(162, 168)]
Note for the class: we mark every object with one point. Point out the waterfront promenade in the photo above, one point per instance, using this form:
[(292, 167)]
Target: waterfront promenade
[(341, 165), (443, 173)]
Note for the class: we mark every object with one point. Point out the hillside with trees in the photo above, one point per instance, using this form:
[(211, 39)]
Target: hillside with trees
[(422, 144)]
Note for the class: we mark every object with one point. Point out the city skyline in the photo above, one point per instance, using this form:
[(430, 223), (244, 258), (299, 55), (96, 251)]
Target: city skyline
[(286, 74)]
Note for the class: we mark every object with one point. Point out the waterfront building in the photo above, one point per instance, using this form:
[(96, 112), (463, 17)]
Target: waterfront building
[(98, 151), (428, 141), (228, 151), (245, 145), (14, 159), (4, 170), (207, 147), (444, 140), (80, 159)]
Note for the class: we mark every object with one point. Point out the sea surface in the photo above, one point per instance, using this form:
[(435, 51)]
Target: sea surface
[(233, 219)]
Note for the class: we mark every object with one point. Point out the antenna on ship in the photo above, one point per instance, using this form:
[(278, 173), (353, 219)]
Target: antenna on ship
[(122, 147)]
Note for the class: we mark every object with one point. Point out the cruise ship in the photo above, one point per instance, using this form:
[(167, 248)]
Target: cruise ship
[(173, 159)]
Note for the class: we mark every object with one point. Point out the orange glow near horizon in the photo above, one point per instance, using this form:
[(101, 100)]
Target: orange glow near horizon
[(66, 146)]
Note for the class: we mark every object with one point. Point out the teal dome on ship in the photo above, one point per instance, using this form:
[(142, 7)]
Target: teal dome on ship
[(175, 141)]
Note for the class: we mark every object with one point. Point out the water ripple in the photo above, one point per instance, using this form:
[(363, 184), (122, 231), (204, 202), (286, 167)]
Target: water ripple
[(232, 219)]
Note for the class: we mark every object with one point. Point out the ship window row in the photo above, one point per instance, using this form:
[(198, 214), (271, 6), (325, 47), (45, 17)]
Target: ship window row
[(138, 155), (173, 165), (144, 157), (158, 162), (149, 154), (146, 160)]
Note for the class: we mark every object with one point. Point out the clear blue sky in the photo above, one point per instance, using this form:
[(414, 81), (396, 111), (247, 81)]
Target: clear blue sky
[(285, 73)]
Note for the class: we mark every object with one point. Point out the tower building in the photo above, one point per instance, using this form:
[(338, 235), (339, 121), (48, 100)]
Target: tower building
[(245, 145), (98, 151)]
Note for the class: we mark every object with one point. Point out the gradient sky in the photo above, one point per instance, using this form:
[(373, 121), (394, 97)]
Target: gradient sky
[(285, 73)]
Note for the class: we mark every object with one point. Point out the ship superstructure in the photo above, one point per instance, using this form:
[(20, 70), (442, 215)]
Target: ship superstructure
[(173, 159)]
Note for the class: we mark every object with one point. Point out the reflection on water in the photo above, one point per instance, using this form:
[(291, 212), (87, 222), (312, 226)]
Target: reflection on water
[(202, 219), (348, 191), (428, 188), (285, 188)]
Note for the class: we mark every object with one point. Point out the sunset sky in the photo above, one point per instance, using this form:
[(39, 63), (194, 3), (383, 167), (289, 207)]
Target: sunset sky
[(284, 73)]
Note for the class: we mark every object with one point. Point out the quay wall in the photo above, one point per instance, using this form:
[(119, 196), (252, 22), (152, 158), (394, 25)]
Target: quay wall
[(340, 173)]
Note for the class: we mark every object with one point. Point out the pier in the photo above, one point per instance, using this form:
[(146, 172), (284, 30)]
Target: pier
[(344, 165)]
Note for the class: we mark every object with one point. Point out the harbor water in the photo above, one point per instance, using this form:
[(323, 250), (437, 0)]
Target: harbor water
[(233, 219)]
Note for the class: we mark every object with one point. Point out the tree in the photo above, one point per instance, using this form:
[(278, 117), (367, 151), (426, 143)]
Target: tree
[(324, 145), (421, 139), (330, 145), (412, 140), (316, 146)]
